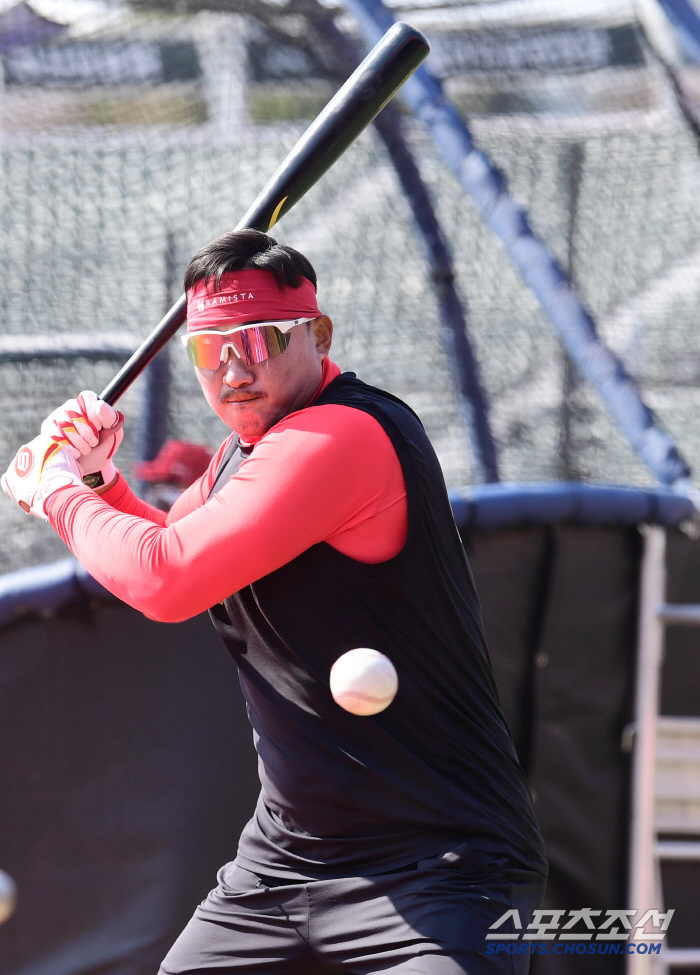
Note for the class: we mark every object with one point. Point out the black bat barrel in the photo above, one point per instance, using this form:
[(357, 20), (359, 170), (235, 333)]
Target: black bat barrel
[(350, 111)]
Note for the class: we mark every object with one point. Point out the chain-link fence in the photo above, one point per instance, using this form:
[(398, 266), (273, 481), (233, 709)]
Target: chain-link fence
[(110, 175)]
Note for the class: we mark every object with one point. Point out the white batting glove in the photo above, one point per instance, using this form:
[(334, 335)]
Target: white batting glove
[(81, 426), (40, 468)]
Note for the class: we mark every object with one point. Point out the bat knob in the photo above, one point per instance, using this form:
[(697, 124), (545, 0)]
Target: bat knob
[(108, 431)]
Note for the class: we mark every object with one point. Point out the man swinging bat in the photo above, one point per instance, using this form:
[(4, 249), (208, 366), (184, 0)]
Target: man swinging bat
[(388, 843)]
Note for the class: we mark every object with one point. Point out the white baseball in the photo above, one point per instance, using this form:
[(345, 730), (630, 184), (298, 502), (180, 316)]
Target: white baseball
[(363, 681), (8, 895)]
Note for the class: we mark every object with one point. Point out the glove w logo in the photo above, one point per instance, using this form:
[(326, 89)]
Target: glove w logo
[(24, 462)]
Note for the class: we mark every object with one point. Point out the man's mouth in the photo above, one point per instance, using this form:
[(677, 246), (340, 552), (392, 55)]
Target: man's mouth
[(235, 400)]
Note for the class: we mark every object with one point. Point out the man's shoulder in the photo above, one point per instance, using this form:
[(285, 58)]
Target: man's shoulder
[(336, 421), (348, 390)]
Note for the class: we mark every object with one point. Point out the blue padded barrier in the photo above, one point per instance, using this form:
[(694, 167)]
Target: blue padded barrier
[(45, 588), (492, 506), (486, 507)]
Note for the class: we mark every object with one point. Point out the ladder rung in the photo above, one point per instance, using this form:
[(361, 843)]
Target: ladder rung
[(679, 613), (677, 850), (681, 957)]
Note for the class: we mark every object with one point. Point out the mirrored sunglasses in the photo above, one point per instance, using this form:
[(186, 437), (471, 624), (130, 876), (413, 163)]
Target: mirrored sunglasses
[(251, 344)]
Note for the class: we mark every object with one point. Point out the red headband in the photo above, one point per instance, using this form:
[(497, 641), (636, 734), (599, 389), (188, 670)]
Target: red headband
[(248, 296)]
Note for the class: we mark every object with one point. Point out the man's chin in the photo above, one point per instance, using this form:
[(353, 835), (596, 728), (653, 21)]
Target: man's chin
[(243, 420)]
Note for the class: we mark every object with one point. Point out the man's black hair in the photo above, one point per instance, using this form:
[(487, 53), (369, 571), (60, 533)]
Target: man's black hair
[(243, 250)]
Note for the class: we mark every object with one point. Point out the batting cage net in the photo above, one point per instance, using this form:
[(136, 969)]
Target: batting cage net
[(132, 135)]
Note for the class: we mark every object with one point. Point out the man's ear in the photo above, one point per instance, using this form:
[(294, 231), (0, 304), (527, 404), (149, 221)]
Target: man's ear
[(323, 335)]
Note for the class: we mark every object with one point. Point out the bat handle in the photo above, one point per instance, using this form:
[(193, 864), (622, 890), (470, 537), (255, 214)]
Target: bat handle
[(161, 334)]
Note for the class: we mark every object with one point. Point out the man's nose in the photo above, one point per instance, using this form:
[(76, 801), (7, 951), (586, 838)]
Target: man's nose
[(236, 373)]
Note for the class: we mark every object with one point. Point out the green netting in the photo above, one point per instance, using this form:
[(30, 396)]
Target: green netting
[(97, 197)]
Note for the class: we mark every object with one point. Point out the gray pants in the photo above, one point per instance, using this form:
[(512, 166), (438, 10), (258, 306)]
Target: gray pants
[(428, 920)]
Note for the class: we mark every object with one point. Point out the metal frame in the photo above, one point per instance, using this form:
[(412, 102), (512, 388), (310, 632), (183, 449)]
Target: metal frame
[(643, 887), (646, 851)]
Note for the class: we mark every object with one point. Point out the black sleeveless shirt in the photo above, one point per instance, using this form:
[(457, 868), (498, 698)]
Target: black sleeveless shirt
[(355, 796)]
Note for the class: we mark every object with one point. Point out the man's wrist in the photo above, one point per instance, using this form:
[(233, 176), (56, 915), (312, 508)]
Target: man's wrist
[(106, 487), (101, 481)]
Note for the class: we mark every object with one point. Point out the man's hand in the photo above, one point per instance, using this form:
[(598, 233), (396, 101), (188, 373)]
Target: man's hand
[(40, 468), (81, 426)]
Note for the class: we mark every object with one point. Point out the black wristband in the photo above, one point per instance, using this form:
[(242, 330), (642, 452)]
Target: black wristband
[(94, 481)]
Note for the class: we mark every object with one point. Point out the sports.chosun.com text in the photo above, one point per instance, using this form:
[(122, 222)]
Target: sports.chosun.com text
[(584, 931), (572, 947)]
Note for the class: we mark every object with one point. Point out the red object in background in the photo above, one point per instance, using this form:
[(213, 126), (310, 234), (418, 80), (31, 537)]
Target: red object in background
[(178, 462)]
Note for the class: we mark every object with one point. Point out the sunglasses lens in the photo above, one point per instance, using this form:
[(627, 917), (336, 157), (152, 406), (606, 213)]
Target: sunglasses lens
[(257, 344), (252, 345), (205, 350)]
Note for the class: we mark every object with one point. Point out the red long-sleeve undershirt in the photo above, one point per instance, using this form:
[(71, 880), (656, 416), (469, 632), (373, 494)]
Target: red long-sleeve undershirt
[(324, 474)]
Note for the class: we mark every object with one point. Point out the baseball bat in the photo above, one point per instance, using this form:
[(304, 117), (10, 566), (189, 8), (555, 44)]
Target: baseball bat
[(350, 111)]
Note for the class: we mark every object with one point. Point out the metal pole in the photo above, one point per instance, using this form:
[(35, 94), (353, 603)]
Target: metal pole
[(462, 361), (453, 319), (642, 894), (570, 464), (153, 429)]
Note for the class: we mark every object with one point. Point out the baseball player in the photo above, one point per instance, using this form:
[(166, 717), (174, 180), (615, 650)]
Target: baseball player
[(390, 843)]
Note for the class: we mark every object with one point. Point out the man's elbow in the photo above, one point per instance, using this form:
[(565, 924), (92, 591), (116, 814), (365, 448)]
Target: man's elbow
[(165, 605), (163, 615)]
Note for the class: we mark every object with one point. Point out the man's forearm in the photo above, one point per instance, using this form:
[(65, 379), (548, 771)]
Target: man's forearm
[(120, 496)]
